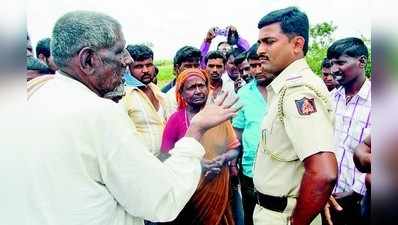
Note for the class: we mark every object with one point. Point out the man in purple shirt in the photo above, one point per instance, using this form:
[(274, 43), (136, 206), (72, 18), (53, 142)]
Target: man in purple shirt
[(232, 39), (352, 102)]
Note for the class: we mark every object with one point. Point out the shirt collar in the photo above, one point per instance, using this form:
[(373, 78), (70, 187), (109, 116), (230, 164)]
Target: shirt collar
[(365, 89), (211, 87), (288, 72), (226, 78), (72, 81), (151, 85), (362, 93), (252, 84)]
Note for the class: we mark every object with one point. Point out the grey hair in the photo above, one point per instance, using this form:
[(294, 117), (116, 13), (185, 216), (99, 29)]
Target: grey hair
[(78, 29)]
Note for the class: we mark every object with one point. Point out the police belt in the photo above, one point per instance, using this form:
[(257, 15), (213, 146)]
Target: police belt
[(274, 203)]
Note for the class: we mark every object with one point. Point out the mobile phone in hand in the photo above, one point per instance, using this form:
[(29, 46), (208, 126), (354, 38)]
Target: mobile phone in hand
[(220, 31)]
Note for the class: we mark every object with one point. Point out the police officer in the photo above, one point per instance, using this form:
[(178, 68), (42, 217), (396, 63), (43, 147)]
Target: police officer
[(295, 168)]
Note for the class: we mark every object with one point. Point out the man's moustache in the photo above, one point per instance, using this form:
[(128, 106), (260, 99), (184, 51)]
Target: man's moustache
[(117, 92)]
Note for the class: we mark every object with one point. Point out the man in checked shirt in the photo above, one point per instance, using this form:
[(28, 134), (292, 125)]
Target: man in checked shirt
[(352, 104)]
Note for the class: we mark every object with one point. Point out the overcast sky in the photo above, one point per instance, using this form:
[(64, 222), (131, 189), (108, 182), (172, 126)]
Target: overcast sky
[(171, 24)]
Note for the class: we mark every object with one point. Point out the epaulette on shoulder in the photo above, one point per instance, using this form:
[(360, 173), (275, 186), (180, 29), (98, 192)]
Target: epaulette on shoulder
[(294, 81)]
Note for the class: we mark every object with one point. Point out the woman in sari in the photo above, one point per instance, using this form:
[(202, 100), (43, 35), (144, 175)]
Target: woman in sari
[(210, 204)]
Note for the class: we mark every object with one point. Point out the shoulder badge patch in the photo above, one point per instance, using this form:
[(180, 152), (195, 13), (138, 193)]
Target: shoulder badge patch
[(305, 106)]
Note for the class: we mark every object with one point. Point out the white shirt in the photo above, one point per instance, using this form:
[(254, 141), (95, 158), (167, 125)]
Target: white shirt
[(171, 94), (85, 165), (353, 123), (227, 84), (228, 87)]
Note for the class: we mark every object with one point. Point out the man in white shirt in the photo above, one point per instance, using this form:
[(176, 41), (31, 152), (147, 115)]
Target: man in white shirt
[(232, 77), (83, 162)]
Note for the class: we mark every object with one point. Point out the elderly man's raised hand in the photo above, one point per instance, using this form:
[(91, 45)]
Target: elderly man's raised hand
[(212, 115)]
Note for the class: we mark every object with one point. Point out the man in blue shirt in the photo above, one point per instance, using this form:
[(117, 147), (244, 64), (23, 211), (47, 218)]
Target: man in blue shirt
[(247, 125)]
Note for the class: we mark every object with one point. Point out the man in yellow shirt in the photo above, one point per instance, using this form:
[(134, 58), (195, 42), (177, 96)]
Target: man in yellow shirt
[(147, 106)]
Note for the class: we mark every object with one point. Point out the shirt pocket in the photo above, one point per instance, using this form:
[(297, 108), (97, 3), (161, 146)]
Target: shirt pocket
[(278, 144)]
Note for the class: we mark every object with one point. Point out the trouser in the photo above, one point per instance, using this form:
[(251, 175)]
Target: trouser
[(248, 197), (365, 208), (351, 214), (236, 204), (263, 216)]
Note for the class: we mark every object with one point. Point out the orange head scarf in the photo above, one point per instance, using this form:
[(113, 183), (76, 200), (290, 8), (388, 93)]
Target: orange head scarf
[(182, 77)]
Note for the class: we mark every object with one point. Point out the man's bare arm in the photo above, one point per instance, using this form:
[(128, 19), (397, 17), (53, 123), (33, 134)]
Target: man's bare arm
[(316, 186), (362, 156)]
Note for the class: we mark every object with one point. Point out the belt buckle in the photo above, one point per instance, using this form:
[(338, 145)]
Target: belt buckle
[(257, 198)]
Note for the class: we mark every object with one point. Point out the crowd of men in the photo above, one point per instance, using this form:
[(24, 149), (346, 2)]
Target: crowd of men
[(245, 134)]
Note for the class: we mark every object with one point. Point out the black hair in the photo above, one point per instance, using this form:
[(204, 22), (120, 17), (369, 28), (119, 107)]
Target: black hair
[(240, 58), (140, 52), (326, 63), (34, 64), (43, 47), (215, 55), (156, 70), (222, 42), (293, 22), (186, 53), (252, 52), (353, 47), (235, 52), (233, 38)]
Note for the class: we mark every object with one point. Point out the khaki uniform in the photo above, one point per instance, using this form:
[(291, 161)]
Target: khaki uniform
[(299, 124)]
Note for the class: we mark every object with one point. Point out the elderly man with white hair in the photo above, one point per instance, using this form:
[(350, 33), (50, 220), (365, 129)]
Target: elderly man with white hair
[(84, 163)]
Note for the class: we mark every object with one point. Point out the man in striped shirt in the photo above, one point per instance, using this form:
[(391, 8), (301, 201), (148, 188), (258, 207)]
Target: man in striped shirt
[(352, 104)]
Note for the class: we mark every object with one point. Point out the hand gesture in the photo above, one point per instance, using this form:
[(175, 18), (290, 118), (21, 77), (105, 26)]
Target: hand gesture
[(220, 160), (239, 82), (331, 203), (231, 28), (213, 114), (210, 169), (212, 173), (211, 34), (206, 165)]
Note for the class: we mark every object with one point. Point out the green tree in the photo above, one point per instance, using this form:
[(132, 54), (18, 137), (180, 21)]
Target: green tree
[(321, 37), (165, 74), (368, 69)]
